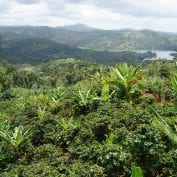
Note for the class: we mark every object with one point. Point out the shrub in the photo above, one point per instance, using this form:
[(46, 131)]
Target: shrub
[(82, 169)]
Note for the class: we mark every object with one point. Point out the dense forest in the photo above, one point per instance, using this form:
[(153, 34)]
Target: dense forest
[(74, 118), (21, 48), (83, 36)]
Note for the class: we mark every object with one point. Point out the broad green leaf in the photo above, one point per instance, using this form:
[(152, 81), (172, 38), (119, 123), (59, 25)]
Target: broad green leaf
[(166, 128), (137, 172), (174, 82)]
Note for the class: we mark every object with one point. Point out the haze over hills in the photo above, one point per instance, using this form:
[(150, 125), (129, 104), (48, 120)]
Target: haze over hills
[(78, 27), (83, 36)]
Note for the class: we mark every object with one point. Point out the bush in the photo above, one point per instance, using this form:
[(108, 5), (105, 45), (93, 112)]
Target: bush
[(146, 146), (82, 169)]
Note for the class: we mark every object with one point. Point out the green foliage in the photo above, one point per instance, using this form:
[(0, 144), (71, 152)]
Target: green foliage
[(105, 93), (41, 112), (113, 158), (80, 169), (174, 82), (136, 172), (146, 143), (41, 169), (88, 121), (16, 138), (66, 125), (85, 96), (166, 128), (124, 77), (57, 94), (67, 72)]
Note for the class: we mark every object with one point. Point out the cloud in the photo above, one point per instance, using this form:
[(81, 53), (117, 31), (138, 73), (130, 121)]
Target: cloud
[(153, 14), (27, 1), (156, 8), (4, 6)]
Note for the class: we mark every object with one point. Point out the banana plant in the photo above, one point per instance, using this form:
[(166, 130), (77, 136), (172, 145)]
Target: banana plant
[(174, 78), (174, 81), (105, 93), (58, 94), (41, 112), (163, 126), (16, 138), (68, 124), (99, 75), (124, 77), (85, 96), (136, 172)]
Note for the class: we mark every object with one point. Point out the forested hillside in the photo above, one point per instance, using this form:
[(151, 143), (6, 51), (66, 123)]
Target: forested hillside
[(74, 118), (83, 36), (21, 48)]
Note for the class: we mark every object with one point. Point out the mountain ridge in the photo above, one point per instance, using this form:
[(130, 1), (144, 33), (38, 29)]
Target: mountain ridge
[(82, 25), (87, 37), (78, 27)]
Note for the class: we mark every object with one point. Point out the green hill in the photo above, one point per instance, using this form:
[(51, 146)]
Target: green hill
[(83, 36), (22, 48)]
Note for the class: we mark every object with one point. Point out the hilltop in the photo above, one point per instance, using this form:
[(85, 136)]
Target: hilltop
[(80, 35)]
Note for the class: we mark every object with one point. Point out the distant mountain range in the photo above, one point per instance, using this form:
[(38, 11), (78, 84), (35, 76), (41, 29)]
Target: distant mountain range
[(83, 36)]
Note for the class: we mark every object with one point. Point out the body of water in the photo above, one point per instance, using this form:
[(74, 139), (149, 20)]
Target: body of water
[(162, 55)]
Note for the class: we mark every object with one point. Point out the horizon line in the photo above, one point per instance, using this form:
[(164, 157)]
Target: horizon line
[(91, 27)]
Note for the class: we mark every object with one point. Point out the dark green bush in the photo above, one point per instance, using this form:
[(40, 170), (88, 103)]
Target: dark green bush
[(83, 169)]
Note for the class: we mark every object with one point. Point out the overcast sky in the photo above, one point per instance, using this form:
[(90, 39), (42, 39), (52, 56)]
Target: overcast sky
[(108, 14)]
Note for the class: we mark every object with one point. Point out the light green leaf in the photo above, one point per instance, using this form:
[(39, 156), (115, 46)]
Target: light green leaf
[(136, 172)]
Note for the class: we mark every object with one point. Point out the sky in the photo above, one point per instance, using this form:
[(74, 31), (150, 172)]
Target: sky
[(159, 15)]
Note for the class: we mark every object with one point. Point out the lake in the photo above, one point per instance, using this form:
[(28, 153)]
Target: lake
[(161, 55)]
